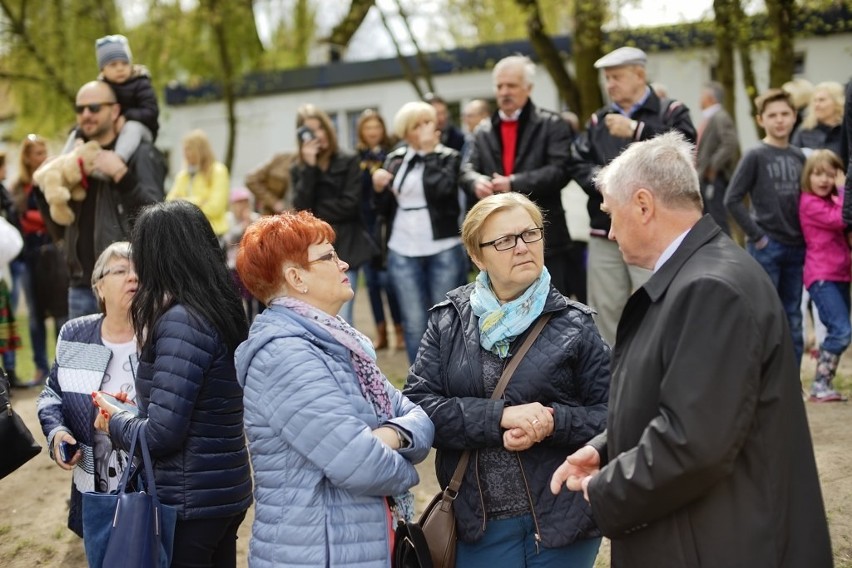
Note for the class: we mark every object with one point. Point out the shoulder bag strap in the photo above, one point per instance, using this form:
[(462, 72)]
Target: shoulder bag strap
[(456, 480)]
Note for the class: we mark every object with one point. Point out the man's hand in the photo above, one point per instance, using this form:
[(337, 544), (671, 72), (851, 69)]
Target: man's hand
[(577, 471), (482, 188), (110, 164), (620, 126), (501, 183)]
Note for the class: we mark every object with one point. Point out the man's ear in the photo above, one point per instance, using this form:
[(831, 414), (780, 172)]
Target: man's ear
[(644, 201)]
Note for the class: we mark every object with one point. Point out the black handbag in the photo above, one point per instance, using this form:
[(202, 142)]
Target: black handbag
[(17, 442), (430, 542)]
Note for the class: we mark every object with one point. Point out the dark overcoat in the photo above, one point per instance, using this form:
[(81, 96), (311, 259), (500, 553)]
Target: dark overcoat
[(710, 461)]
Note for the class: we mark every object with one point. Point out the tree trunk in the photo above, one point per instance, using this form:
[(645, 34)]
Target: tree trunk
[(726, 38), (410, 76), (744, 47), (548, 54), (588, 48), (216, 17), (781, 15), (342, 33)]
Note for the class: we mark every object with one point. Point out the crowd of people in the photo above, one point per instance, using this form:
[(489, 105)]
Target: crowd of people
[(664, 390)]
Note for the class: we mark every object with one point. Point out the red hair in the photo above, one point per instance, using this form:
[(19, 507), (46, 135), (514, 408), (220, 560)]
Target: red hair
[(271, 242)]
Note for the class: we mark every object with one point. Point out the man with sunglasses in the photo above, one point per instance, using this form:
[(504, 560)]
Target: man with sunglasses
[(106, 214)]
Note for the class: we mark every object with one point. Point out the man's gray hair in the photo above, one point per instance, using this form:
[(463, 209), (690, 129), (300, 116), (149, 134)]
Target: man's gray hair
[(522, 61), (717, 90), (663, 165)]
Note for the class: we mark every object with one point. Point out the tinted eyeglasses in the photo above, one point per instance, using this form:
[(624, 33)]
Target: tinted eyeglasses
[(326, 257), (507, 242), (94, 108)]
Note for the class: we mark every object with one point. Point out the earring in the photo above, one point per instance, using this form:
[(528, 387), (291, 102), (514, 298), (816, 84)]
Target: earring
[(304, 290)]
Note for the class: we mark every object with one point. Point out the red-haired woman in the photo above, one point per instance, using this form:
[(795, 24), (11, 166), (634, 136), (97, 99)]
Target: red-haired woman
[(332, 442)]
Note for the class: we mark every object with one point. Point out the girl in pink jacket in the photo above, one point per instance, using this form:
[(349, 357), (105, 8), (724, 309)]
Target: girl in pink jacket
[(828, 266)]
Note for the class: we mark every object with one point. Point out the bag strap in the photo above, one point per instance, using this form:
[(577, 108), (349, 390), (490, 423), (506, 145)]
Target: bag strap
[(455, 482)]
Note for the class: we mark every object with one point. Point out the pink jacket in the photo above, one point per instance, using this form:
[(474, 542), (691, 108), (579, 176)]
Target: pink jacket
[(827, 254)]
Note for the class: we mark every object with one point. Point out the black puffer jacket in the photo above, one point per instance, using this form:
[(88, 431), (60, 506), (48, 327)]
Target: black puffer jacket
[(137, 99), (566, 368), (187, 388)]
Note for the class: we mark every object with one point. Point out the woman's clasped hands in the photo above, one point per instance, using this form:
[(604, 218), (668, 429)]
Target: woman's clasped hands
[(525, 425)]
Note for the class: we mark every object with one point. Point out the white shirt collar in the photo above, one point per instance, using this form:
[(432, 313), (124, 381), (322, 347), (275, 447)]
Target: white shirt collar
[(510, 117), (708, 112), (670, 250)]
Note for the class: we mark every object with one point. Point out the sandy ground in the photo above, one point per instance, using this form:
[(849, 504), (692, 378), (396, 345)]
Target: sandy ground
[(33, 500)]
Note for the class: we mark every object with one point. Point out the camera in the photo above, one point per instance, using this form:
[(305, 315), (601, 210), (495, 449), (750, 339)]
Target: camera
[(67, 451), (305, 134)]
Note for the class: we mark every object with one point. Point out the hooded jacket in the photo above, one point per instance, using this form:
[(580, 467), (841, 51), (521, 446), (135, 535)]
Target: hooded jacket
[(321, 477)]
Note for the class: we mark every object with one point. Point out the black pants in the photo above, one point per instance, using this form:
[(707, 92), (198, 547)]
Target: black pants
[(567, 269), (714, 201), (207, 543)]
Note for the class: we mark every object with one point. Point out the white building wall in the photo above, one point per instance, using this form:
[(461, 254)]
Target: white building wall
[(266, 124)]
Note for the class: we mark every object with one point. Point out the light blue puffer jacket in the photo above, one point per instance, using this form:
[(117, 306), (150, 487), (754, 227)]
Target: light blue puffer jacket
[(320, 475)]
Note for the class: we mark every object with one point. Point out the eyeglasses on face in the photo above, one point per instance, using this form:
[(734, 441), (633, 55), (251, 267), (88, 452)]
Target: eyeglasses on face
[(93, 108), (332, 256), (507, 242), (118, 271)]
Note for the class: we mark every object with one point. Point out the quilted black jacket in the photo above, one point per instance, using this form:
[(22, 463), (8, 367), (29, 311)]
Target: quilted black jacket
[(187, 388), (566, 368)]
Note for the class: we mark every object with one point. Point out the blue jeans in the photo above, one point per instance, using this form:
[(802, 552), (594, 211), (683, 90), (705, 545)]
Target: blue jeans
[(511, 542), (784, 264), (420, 282), (81, 302), (378, 282), (833, 304)]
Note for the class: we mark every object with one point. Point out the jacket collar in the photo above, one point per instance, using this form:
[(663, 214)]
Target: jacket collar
[(701, 233)]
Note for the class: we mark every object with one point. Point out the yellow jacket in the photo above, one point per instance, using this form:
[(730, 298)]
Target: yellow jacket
[(211, 198)]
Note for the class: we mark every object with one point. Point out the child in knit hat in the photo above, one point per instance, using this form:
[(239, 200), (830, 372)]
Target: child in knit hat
[(133, 91)]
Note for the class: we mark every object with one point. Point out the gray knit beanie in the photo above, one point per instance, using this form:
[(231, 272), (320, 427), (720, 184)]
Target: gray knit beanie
[(112, 47)]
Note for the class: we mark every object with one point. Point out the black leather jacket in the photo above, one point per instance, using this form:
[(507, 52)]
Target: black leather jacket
[(566, 368), (440, 185)]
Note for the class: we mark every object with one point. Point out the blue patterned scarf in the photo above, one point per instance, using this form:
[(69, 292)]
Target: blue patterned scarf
[(500, 324), (372, 381)]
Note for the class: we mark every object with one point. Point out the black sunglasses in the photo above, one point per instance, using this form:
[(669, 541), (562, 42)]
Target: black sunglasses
[(94, 108)]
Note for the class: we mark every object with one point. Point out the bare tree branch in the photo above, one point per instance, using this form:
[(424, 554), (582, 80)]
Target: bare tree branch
[(425, 71), (410, 76), (342, 33)]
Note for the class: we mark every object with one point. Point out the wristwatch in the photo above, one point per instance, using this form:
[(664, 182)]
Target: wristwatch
[(403, 440)]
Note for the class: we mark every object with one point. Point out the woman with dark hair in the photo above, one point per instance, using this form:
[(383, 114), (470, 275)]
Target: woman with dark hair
[(327, 181), (189, 320), (373, 147)]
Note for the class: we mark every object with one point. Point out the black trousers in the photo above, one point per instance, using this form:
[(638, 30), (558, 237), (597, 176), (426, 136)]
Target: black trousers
[(206, 543)]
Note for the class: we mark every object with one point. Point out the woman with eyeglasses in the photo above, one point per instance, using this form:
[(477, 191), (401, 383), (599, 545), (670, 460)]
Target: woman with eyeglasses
[(425, 259), (94, 353), (554, 403), (327, 182), (333, 443), (189, 319)]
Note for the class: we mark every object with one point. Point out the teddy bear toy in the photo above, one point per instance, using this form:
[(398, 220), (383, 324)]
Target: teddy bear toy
[(66, 177)]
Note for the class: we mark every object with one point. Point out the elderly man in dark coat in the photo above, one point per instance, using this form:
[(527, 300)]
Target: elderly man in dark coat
[(526, 149), (707, 458)]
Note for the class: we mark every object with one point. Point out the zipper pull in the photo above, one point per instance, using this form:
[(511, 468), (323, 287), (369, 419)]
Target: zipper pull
[(537, 543)]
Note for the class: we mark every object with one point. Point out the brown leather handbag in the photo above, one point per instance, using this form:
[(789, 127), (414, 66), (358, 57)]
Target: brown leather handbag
[(430, 542)]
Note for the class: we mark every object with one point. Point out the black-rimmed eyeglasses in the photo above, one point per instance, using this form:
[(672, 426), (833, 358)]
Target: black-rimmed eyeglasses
[(507, 242)]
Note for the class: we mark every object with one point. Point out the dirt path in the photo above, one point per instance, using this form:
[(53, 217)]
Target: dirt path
[(33, 500)]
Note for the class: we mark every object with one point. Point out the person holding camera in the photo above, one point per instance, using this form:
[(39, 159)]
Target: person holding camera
[(327, 181), (94, 352)]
